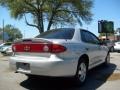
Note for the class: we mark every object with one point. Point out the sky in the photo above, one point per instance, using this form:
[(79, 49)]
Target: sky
[(102, 10)]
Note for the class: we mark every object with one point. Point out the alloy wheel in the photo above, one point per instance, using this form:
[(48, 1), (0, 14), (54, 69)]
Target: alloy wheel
[(82, 70)]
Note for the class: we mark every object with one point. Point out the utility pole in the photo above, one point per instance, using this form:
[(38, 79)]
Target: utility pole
[(3, 31), (106, 36)]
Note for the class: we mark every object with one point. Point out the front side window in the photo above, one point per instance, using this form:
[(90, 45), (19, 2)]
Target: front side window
[(95, 39), (58, 34)]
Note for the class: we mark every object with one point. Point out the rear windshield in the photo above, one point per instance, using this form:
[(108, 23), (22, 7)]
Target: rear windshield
[(58, 34)]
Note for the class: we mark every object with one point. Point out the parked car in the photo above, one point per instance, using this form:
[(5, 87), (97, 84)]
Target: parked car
[(60, 52), (6, 48), (117, 46), (1, 45), (110, 44)]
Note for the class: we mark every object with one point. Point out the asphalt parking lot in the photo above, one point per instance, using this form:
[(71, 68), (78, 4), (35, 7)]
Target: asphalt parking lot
[(100, 78)]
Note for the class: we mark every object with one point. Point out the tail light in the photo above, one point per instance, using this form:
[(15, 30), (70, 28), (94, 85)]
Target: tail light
[(37, 48), (57, 48), (13, 48)]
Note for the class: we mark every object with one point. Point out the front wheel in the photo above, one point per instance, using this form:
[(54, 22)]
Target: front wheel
[(81, 72), (107, 59), (3, 53), (112, 49)]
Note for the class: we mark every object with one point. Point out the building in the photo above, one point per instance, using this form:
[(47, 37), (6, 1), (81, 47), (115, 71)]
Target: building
[(112, 38)]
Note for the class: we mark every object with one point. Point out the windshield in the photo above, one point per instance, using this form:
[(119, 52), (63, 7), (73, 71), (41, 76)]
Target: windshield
[(57, 34)]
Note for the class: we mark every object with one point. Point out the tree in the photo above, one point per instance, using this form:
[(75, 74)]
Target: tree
[(104, 34), (54, 12), (13, 33)]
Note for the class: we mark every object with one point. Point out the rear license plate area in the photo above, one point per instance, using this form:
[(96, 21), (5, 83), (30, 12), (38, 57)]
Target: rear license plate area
[(23, 66)]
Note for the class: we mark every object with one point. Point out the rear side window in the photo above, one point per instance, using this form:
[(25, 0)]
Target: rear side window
[(58, 34), (89, 37)]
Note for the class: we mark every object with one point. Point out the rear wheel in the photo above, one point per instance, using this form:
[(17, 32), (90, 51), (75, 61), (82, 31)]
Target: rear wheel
[(81, 72)]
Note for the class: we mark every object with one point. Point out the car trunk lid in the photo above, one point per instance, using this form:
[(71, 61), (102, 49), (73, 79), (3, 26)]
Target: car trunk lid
[(43, 47)]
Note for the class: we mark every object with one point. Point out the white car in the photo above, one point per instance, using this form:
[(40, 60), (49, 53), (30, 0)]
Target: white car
[(109, 44), (117, 46), (2, 45), (61, 52), (6, 48)]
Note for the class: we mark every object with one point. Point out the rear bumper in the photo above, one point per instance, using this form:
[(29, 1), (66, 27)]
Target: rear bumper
[(52, 66)]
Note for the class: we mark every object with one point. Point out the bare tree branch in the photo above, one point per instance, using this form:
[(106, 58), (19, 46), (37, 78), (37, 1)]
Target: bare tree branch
[(54, 11), (33, 25)]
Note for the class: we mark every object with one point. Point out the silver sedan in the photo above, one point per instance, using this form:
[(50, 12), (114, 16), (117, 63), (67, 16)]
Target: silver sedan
[(62, 52)]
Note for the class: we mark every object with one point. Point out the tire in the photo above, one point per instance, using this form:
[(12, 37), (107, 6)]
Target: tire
[(3, 53), (112, 49), (107, 60), (118, 51), (81, 73)]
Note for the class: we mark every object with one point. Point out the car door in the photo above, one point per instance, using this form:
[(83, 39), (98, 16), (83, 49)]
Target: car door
[(102, 49), (91, 43)]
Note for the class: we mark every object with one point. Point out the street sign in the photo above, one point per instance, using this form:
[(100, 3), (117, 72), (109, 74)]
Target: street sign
[(105, 26)]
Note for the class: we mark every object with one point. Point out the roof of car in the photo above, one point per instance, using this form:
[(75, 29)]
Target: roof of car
[(66, 29)]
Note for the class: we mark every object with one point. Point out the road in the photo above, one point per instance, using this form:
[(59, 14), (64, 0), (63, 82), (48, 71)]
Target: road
[(100, 78)]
